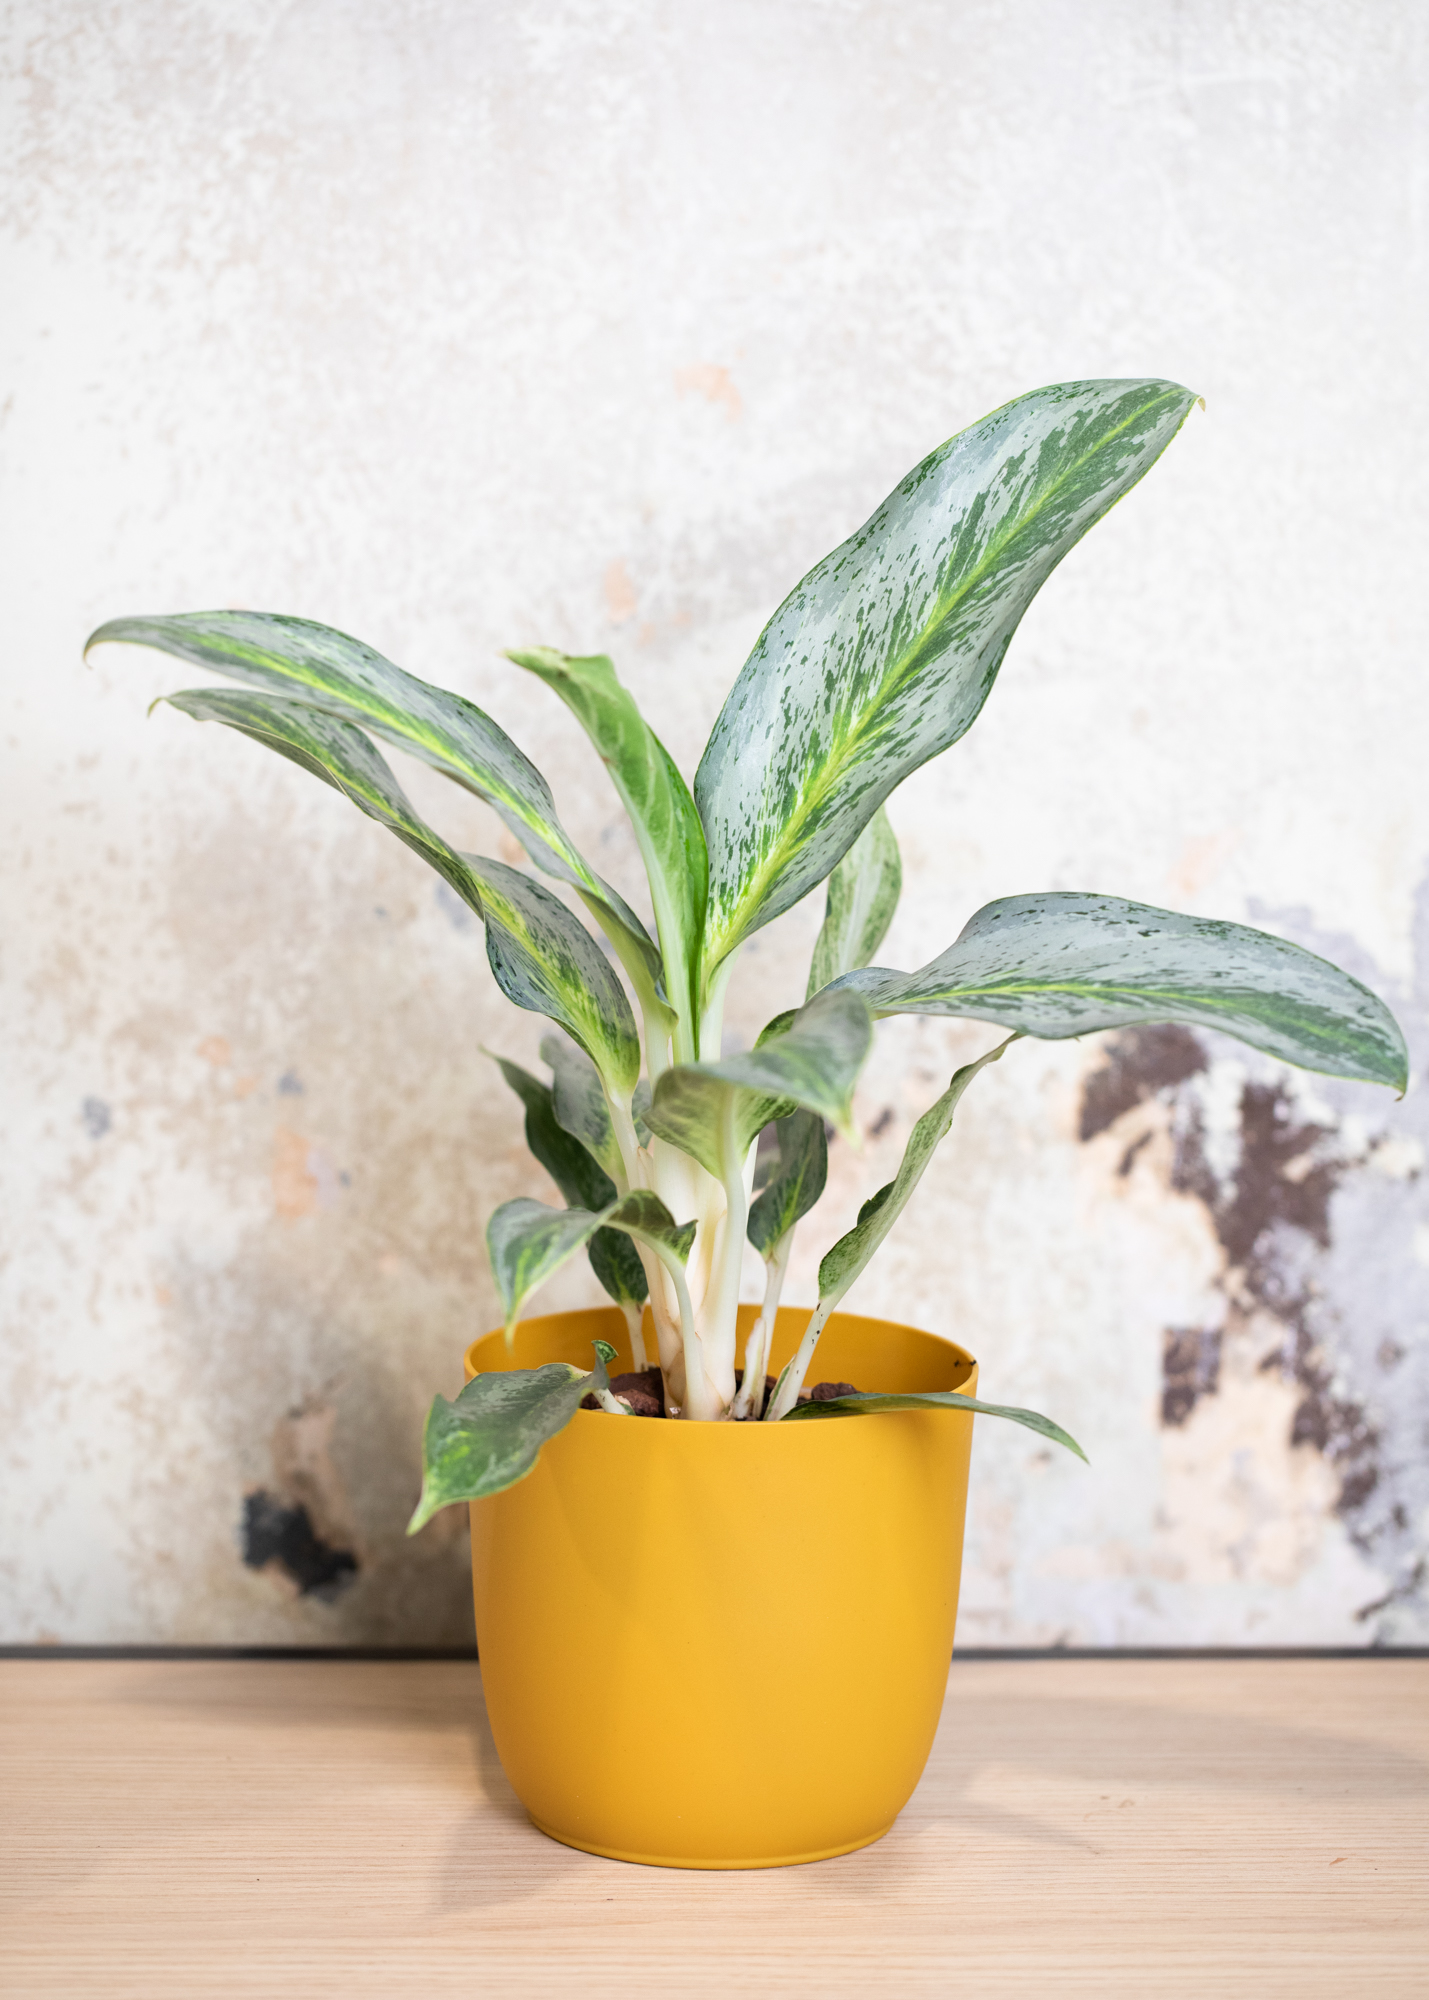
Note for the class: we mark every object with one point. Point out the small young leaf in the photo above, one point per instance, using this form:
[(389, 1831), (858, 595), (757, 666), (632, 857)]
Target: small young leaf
[(795, 1184), (492, 1434), (667, 826), (862, 896), (861, 1405), (704, 1107), (327, 672), (1066, 964)]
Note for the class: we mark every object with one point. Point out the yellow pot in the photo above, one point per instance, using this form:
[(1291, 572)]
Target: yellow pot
[(725, 1645)]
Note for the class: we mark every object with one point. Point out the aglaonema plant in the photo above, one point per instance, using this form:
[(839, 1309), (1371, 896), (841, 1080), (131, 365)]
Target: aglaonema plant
[(878, 660)]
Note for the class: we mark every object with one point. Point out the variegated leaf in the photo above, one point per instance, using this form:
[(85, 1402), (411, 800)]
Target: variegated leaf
[(657, 799), (795, 1184), (549, 963), (299, 660), (582, 1180), (863, 894), (715, 1110), (886, 652), (869, 1405), (529, 1242), (542, 957), (491, 1435), (852, 1253), (1065, 964)]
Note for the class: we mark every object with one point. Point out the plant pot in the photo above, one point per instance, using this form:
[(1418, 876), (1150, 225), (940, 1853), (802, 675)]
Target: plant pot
[(725, 1645)]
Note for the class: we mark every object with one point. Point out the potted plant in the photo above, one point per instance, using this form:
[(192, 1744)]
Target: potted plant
[(718, 1635)]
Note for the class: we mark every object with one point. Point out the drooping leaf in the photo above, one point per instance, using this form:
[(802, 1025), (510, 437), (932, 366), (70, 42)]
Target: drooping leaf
[(342, 757), (715, 1110), (529, 1242), (861, 1405), (851, 1254), (542, 957), (886, 652), (492, 1433), (582, 1181), (578, 1100), (795, 1184), (667, 826), (299, 660), (1065, 964), (548, 962), (863, 894)]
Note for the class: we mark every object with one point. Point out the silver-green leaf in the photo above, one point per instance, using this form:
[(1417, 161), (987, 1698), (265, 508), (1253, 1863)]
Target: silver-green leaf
[(543, 958), (300, 660), (657, 799), (850, 1256), (862, 896), (583, 1183), (715, 1110), (1066, 964), (529, 1242), (491, 1435), (547, 961), (886, 652), (869, 1405), (795, 1184)]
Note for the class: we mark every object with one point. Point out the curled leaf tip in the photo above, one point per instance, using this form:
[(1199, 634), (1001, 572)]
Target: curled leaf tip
[(604, 1349)]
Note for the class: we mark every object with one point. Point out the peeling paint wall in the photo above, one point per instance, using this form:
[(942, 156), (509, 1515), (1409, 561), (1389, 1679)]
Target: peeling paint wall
[(465, 327)]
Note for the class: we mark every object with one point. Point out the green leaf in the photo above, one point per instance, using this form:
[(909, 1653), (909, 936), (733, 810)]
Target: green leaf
[(583, 1183), (851, 1255), (886, 652), (542, 957), (860, 1405), (297, 659), (795, 1184), (1066, 964), (714, 1111), (667, 826), (492, 1434), (579, 1101), (863, 894), (548, 962), (529, 1242)]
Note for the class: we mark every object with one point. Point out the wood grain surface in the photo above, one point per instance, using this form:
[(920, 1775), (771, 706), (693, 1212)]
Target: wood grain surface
[(321, 1827)]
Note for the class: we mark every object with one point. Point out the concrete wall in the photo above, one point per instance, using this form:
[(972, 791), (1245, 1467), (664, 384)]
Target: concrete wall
[(463, 326)]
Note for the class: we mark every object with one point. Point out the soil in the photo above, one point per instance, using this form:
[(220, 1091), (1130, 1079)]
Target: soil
[(645, 1392)]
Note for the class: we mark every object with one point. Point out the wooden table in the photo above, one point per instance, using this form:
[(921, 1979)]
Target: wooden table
[(1256, 1827)]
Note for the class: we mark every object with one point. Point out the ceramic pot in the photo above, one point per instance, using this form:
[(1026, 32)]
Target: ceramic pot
[(725, 1645)]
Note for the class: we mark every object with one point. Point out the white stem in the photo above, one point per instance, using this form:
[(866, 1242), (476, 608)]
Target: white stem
[(712, 1020), (791, 1381), (634, 1320), (721, 1315), (750, 1400), (612, 1403)]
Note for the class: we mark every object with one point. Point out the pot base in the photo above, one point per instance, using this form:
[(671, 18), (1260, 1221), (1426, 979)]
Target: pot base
[(688, 1861)]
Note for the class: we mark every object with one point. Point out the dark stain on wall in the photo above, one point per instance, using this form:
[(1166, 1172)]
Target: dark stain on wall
[(1142, 1063), (273, 1533), (1190, 1369), (1279, 1191)]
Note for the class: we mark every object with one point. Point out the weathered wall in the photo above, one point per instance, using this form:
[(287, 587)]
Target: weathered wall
[(461, 327)]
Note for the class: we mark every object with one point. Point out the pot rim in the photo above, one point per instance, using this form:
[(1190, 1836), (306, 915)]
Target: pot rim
[(961, 1365)]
